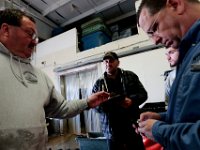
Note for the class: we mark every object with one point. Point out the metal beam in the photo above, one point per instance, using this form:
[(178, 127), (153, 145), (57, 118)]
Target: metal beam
[(100, 8), (21, 5), (55, 6), (113, 20)]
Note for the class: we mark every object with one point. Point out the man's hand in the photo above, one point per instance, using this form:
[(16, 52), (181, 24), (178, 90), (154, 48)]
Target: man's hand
[(97, 98), (149, 115), (126, 103), (145, 128), (145, 123)]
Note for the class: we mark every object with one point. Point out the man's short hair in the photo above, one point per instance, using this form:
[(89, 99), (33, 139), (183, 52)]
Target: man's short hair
[(13, 16), (110, 55), (153, 7)]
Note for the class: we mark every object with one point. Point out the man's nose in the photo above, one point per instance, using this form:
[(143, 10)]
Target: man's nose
[(157, 39), (168, 58)]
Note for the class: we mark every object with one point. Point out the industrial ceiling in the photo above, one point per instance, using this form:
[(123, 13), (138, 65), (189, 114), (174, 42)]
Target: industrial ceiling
[(67, 12), (70, 13)]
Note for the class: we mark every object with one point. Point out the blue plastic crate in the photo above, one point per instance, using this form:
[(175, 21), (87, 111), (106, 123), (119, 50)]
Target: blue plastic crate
[(93, 143), (95, 39)]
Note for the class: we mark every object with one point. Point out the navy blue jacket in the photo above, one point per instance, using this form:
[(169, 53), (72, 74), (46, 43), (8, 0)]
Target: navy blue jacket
[(180, 129)]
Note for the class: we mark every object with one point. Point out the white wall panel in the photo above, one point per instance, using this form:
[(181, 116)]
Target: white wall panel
[(150, 67)]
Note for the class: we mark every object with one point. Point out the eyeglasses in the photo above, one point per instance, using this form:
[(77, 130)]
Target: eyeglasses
[(153, 27), (31, 34)]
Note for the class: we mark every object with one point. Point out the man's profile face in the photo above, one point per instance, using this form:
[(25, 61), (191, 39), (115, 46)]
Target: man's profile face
[(21, 38), (161, 28)]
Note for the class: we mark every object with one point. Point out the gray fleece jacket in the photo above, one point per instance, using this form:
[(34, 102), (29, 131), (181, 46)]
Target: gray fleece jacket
[(27, 96)]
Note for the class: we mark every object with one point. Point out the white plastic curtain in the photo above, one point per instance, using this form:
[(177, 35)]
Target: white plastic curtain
[(79, 84), (72, 92)]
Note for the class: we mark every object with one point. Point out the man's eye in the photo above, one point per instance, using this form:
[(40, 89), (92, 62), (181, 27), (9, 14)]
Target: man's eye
[(29, 33), (155, 27)]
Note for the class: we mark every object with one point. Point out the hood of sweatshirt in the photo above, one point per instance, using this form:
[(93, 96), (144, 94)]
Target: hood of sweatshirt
[(22, 74)]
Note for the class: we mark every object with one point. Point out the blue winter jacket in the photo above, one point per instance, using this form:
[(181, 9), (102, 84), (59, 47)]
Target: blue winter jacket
[(180, 128)]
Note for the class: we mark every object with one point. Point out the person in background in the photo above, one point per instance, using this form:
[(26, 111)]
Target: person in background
[(27, 95), (175, 23), (172, 55), (122, 109)]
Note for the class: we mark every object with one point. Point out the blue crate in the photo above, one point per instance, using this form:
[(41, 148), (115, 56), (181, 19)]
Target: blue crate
[(57, 31), (93, 143), (95, 39)]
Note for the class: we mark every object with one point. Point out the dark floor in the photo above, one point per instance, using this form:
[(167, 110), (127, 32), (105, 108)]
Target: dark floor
[(62, 142)]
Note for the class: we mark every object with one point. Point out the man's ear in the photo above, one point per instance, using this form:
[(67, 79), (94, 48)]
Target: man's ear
[(4, 28), (117, 62), (176, 5)]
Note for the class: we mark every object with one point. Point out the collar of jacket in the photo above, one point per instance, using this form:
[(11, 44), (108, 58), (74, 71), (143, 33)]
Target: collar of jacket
[(121, 71), (191, 38)]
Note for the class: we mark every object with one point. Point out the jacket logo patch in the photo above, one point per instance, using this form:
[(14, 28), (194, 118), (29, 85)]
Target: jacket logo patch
[(30, 77)]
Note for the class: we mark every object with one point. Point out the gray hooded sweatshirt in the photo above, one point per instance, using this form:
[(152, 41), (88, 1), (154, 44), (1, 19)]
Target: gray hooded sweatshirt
[(27, 96)]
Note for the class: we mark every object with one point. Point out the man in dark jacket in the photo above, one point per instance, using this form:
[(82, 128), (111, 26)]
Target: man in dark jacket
[(118, 114)]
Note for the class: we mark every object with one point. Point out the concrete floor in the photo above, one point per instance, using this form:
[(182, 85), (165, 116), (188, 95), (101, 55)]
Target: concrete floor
[(62, 142)]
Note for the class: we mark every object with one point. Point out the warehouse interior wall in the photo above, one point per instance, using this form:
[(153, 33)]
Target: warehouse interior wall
[(150, 67), (62, 50)]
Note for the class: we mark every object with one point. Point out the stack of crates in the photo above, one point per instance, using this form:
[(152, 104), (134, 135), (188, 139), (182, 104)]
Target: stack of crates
[(94, 33)]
